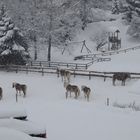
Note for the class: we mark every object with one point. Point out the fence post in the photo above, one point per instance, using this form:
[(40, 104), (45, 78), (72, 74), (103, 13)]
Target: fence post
[(107, 102), (42, 70), (49, 64), (89, 75), (26, 68), (104, 77), (17, 69), (74, 74), (86, 66), (76, 66), (57, 72)]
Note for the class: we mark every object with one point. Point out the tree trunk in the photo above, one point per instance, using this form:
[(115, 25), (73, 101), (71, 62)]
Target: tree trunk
[(49, 47), (50, 32), (35, 53)]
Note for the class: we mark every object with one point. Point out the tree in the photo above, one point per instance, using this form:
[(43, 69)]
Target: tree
[(60, 23), (13, 45), (134, 6), (115, 7), (134, 29)]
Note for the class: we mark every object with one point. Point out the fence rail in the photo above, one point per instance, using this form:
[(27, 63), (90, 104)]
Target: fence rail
[(58, 64), (74, 72), (93, 56), (50, 64)]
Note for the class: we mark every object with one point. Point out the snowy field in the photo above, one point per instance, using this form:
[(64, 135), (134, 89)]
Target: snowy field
[(73, 119)]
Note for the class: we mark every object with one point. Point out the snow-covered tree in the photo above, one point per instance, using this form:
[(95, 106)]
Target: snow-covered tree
[(134, 29), (13, 46), (100, 37), (134, 5), (115, 7)]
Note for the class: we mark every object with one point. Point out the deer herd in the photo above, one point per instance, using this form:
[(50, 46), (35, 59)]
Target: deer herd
[(65, 75), (70, 88)]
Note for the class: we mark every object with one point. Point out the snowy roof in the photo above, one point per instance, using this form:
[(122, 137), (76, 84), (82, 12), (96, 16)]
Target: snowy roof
[(27, 127)]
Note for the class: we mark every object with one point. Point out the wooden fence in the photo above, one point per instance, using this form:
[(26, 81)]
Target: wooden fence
[(50, 64), (75, 72), (92, 56)]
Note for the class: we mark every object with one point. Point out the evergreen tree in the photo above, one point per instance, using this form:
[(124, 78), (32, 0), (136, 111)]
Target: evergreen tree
[(134, 29), (13, 46), (134, 6), (115, 7)]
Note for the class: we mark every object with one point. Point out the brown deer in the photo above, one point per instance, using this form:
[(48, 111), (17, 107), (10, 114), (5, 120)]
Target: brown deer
[(71, 89), (86, 91), (65, 74), (1, 93), (122, 76), (19, 88)]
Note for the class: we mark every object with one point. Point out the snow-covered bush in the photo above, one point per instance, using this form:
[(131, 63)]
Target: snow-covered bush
[(132, 106)]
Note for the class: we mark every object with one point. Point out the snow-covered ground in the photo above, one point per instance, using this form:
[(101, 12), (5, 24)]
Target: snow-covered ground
[(11, 134), (71, 119)]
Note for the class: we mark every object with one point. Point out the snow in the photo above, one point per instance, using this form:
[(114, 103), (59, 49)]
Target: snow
[(101, 15), (10, 134), (17, 47), (12, 111), (135, 88), (7, 134), (123, 62), (71, 119), (6, 52), (27, 127)]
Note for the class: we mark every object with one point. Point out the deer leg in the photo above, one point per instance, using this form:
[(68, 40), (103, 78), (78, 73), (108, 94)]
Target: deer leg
[(17, 92), (70, 93), (85, 95), (88, 97), (123, 83), (113, 82), (66, 94), (0, 97), (75, 95), (20, 92), (24, 93), (62, 78)]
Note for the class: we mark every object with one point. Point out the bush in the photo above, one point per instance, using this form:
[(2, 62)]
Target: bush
[(15, 58), (132, 106)]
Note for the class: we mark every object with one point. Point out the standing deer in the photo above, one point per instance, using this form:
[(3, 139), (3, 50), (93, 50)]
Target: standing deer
[(71, 89), (86, 91)]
